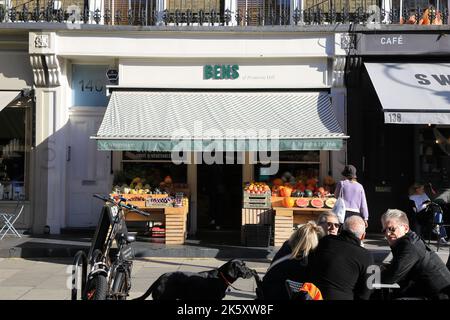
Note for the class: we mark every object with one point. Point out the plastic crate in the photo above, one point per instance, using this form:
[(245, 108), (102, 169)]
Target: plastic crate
[(257, 235)]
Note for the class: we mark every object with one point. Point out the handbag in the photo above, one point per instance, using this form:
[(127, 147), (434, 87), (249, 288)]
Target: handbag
[(339, 208)]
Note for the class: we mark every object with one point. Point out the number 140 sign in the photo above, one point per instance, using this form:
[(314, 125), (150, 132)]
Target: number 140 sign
[(91, 85)]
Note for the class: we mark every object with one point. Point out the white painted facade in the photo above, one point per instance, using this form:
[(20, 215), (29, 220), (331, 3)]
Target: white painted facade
[(68, 168)]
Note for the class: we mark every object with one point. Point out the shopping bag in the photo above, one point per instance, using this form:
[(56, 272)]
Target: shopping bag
[(339, 207)]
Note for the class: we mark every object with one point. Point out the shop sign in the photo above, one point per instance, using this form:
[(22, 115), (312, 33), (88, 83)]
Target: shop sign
[(403, 43), (155, 156), (220, 72)]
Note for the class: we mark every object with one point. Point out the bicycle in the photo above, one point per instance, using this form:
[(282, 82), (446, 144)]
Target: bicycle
[(110, 256)]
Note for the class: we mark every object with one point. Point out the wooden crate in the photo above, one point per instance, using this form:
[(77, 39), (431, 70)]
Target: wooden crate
[(255, 216), (256, 201)]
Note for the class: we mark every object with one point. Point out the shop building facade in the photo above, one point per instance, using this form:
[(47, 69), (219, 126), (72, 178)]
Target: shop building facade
[(72, 95), (398, 115), (72, 92)]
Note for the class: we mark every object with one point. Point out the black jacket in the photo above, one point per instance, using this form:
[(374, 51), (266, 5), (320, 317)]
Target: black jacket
[(416, 265), (338, 267), (274, 282)]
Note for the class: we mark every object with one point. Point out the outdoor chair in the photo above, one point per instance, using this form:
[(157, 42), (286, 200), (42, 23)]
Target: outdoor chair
[(8, 220)]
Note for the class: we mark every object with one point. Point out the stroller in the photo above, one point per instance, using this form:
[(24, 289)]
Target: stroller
[(429, 221)]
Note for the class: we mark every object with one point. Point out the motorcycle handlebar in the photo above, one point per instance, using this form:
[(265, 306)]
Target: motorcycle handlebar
[(120, 204)]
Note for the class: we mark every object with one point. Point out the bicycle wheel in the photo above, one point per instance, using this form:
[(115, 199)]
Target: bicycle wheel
[(121, 286), (97, 288)]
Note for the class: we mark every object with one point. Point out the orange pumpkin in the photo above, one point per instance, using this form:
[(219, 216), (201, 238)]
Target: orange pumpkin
[(288, 202), (277, 182), (285, 191)]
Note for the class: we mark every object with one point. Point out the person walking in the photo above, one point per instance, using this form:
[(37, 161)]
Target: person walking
[(353, 194)]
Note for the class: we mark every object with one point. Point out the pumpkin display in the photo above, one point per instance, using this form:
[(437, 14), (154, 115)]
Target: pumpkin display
[(317, 203), (302, 202), (288, 202), (277, 182), (285, 191), (329, 203)]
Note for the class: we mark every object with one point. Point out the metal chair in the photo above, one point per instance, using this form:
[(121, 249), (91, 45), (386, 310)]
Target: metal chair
[(9, 219)]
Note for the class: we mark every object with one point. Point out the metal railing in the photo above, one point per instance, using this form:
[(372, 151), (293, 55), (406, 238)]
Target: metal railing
[(314, 15)]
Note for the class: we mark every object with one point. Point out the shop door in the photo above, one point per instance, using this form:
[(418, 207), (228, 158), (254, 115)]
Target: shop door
[(88, 171), (219, 196)]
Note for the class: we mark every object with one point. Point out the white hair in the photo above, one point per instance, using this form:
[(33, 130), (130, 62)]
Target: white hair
[(395, 214), (355, 225)]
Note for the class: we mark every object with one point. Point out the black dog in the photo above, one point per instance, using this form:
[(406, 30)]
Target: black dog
[(206, 285)]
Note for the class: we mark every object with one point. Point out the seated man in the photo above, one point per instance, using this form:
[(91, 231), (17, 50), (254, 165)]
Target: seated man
[(338, 266), (415, 267)]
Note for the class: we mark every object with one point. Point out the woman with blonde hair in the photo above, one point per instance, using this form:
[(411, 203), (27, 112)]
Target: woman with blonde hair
[(293, 265)]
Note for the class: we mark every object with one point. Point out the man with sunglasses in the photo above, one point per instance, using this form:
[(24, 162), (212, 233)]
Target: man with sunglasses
[(415, 267), (329, 222)]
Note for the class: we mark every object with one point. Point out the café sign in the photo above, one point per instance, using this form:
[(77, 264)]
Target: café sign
[(405, 43)]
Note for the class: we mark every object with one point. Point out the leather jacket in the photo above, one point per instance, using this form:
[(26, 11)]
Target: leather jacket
[(416, 265)]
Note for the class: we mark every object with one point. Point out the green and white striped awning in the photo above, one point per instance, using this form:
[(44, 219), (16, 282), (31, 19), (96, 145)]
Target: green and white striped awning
[(223, 121)]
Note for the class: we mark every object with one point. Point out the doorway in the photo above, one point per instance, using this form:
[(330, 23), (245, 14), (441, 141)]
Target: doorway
[(219, 203)]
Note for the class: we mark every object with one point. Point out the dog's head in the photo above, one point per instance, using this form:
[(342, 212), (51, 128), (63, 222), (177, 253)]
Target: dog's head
[(235, 269)]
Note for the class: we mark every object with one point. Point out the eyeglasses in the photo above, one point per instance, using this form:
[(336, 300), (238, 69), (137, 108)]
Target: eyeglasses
[(390, 229), (331, 224)]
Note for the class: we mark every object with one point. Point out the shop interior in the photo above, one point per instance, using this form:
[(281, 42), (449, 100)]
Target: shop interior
[(433, 155), (13, 155)]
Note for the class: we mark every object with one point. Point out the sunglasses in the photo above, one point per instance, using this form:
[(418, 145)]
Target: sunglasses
[(390, 229), (331, 224)]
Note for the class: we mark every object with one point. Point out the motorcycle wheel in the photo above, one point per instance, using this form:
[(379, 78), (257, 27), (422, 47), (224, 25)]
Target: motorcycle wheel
[(97, 288)]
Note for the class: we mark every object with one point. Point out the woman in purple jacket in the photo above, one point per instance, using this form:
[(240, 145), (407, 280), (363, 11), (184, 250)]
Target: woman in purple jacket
[(353, 194)]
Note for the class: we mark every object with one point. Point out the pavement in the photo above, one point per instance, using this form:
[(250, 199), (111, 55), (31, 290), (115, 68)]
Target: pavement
[(50, 278), (39, 267)]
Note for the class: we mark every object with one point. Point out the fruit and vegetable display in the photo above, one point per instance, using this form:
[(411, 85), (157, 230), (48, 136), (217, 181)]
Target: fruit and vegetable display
[(304, 191), (257, 188), (138, 187), (303, 187), (140, 194)]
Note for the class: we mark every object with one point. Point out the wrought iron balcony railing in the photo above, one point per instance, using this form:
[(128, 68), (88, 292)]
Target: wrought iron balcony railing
[(315, 15)]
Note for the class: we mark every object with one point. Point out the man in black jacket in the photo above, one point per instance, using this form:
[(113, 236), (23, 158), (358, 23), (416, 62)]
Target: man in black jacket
[(338, 266), (415, 267)]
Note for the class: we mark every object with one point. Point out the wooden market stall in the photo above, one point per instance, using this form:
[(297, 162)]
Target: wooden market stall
[(173, 218), (281, 218), (286, 218)]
